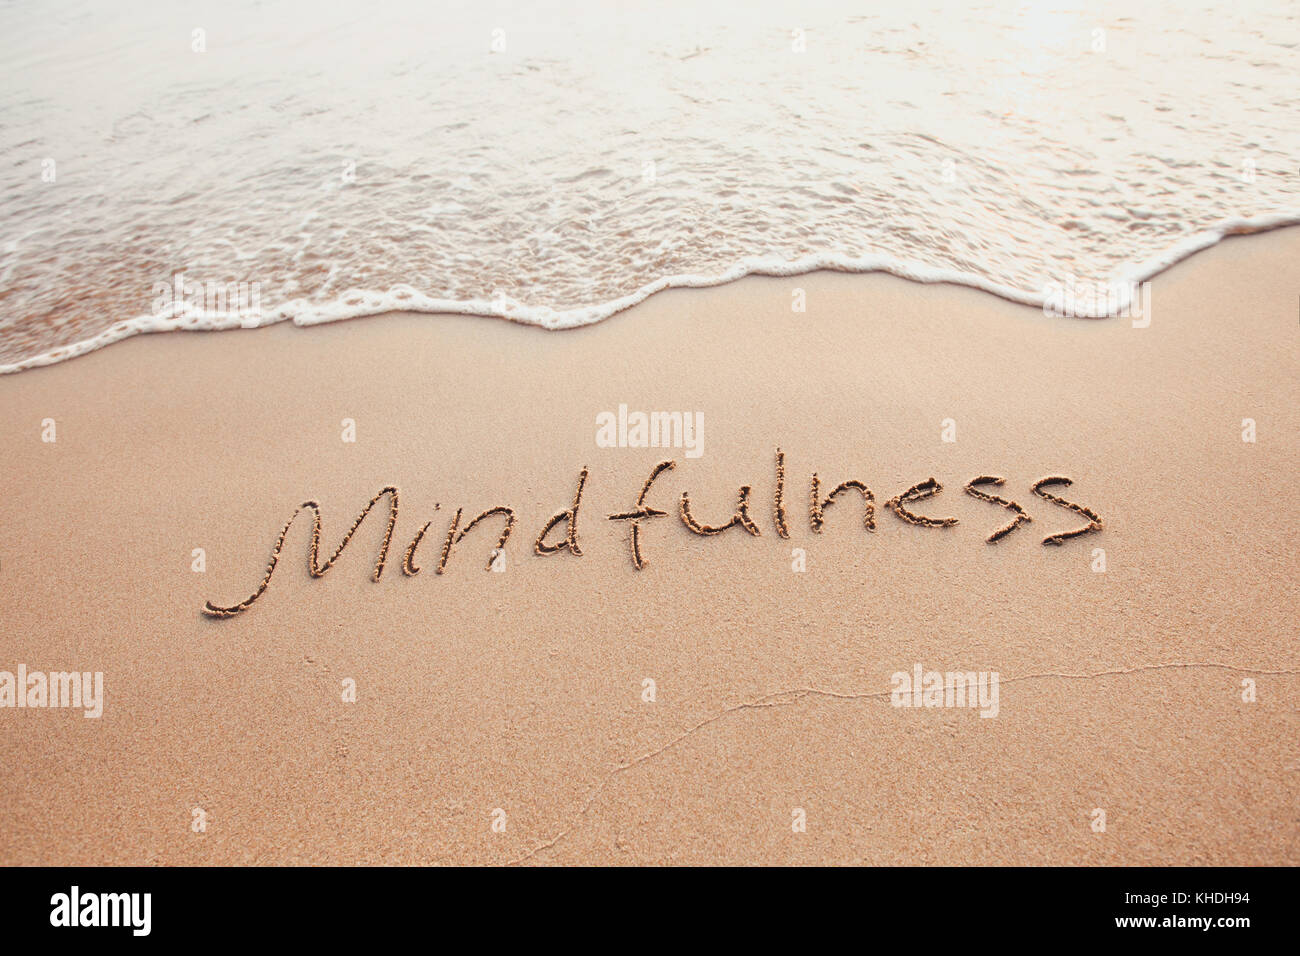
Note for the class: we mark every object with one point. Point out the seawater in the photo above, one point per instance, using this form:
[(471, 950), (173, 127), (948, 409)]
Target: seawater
[(554, 163)]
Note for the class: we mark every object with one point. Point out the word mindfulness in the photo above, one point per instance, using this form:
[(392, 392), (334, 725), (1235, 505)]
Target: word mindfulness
[(560, 533)]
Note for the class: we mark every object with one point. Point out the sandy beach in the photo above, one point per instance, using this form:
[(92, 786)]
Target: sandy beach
[(524, 690)]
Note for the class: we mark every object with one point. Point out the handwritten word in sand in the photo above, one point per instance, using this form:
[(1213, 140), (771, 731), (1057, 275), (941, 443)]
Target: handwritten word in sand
[(742, 518)]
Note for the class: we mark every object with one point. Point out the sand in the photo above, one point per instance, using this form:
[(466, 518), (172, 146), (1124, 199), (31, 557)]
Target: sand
[(522, 690)]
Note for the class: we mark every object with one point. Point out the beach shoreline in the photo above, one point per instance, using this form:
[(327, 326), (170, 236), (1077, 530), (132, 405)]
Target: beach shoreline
[(195, 310), (524, 690)]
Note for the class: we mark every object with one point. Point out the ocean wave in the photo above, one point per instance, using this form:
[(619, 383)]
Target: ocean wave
[(566, 163), (355, 304)]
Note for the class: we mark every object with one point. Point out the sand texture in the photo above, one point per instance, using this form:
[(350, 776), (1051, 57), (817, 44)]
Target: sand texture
[(524, 690)]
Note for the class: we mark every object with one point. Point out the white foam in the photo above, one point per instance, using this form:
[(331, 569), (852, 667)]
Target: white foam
[(609, 152), (357, 303)]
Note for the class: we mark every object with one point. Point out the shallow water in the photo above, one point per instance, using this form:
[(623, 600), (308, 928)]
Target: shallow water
[(557, 162)]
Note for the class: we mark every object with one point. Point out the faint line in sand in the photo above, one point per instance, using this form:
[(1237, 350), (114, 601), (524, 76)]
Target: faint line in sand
[(784, 698)]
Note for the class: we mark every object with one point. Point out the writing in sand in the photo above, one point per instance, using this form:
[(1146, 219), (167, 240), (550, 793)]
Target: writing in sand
[(641, 513)]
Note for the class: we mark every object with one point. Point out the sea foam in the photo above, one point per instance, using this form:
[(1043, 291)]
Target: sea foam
[(567, 163)]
